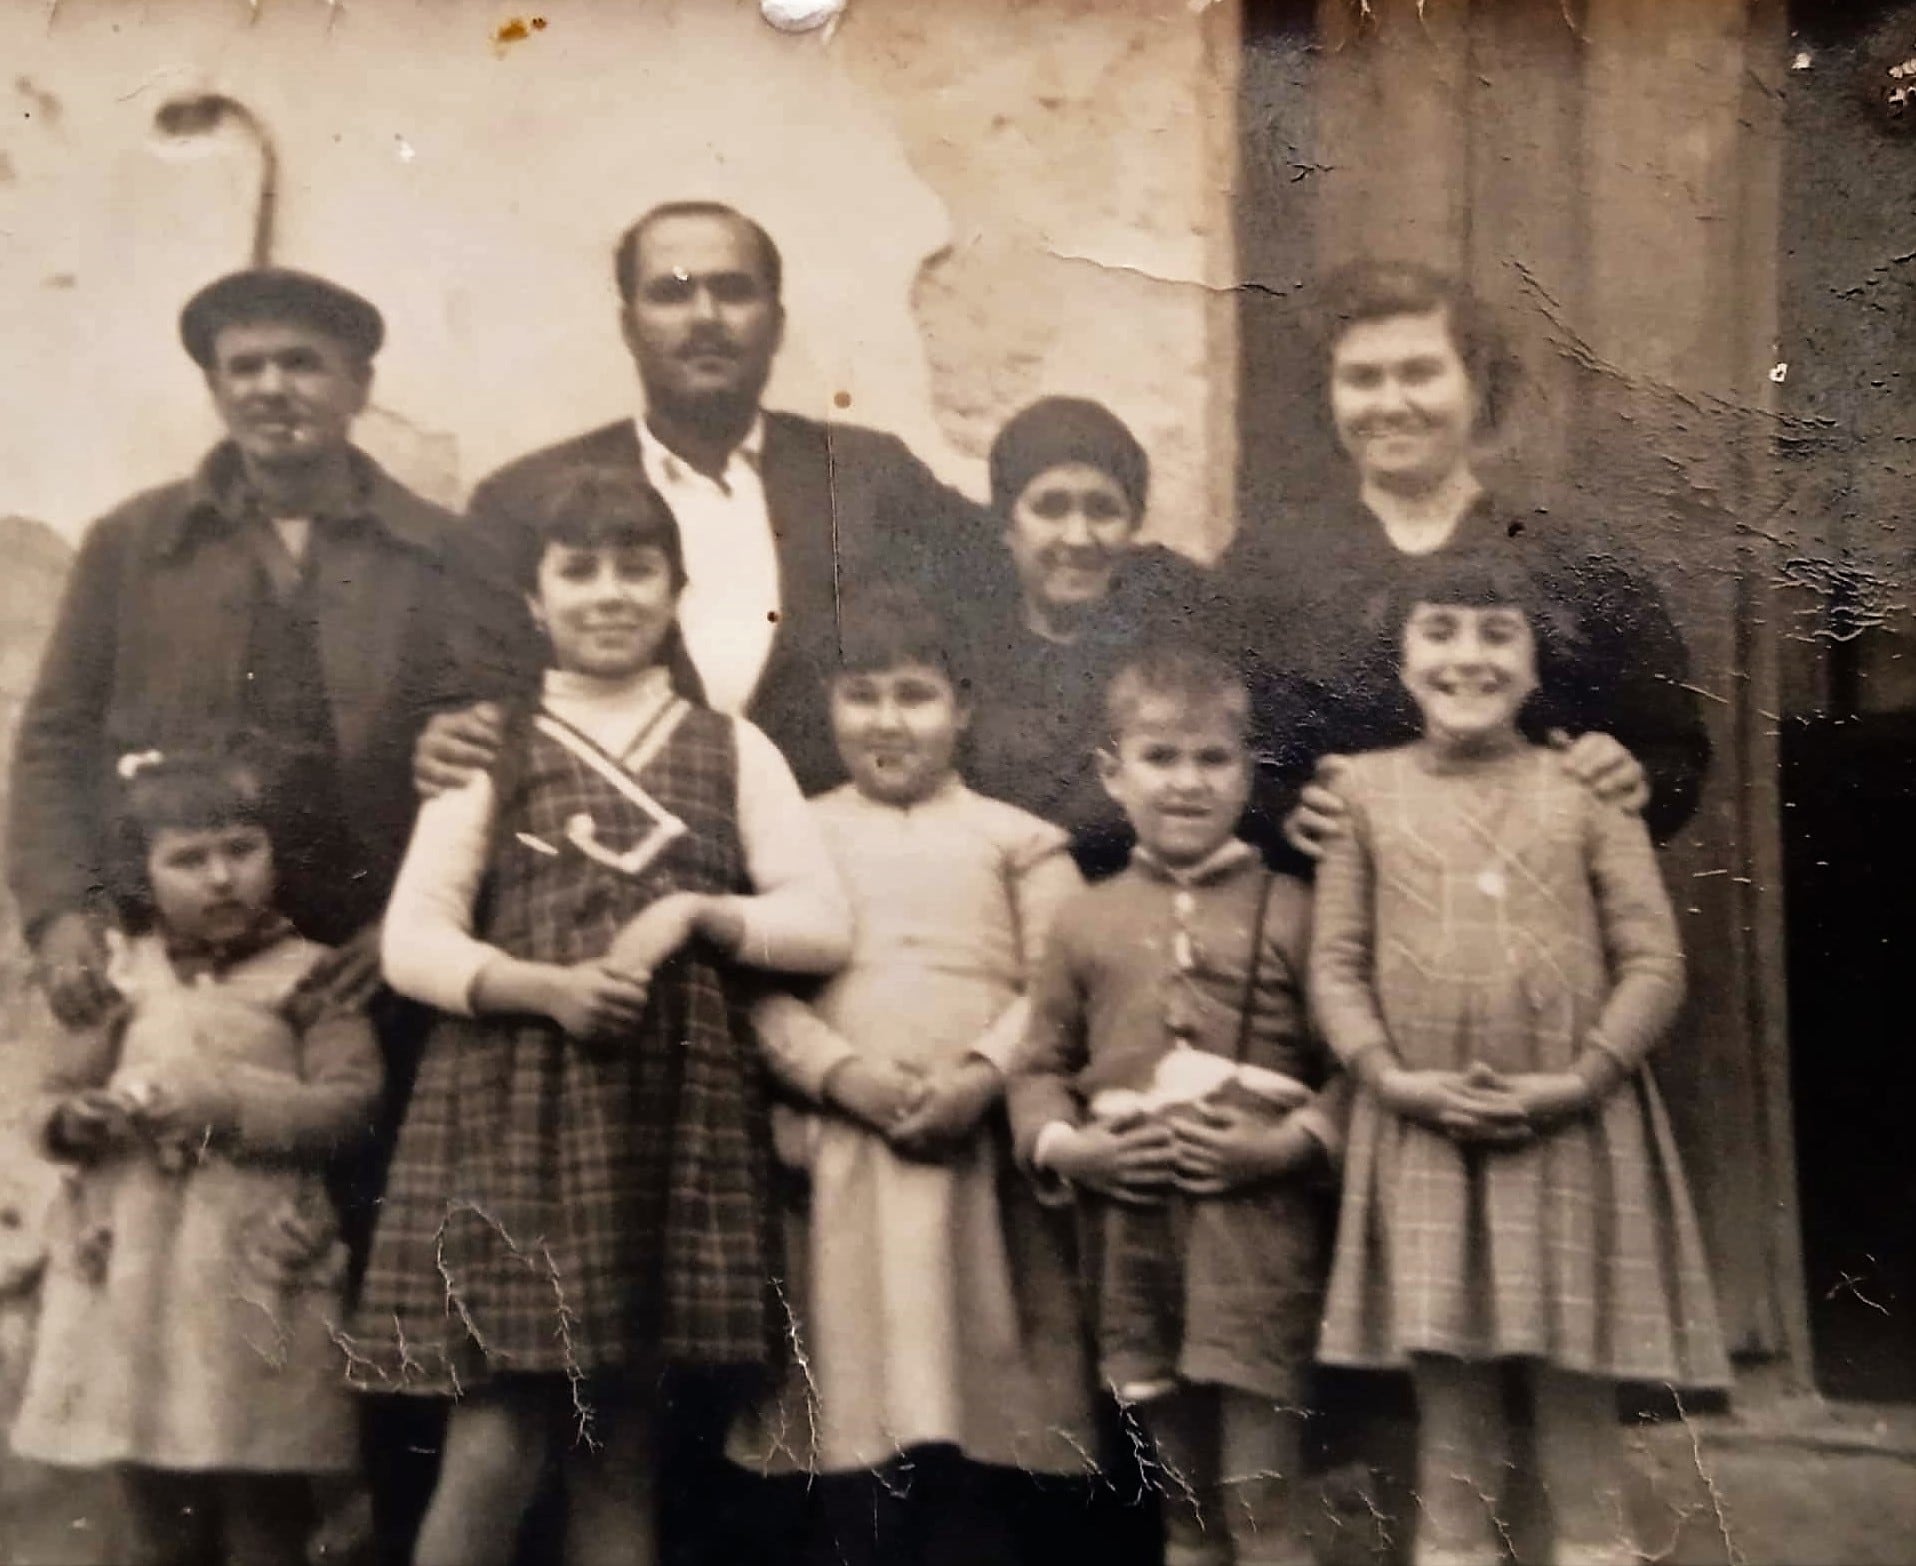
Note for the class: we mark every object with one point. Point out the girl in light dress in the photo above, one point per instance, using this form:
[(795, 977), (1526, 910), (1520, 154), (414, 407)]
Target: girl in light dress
[(915, 1385), (195, 1272), (580, 1196), (1494, 958)]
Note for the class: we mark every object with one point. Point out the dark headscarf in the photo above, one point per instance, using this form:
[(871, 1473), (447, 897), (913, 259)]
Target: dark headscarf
[(1060, 430)]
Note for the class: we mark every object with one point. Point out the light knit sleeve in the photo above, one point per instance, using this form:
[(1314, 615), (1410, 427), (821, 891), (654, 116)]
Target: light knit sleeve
[(1343, 994), (330, 1105), (1041, 878), (427, 947), (1041, 1090), (801, 1048), (797, 919), (1641, 944)]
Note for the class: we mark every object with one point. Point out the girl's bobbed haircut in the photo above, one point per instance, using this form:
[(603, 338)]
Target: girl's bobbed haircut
[(887, 626), (1373, 290), (1484, 579), (599, 508), (224, 784)]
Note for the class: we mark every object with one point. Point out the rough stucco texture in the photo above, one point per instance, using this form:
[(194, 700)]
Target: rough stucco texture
[(930, 173)]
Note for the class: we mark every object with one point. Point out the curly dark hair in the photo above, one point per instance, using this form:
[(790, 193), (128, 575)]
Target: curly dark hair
[(1377, 290)]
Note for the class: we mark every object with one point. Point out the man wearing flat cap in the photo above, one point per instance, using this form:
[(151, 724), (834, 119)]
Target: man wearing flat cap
[(289, 590)]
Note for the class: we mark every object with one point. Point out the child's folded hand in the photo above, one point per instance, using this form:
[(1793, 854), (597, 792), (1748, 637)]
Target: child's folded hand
[(187, 1106), (594, 1001), (1550, 1096), (1473, 1106), (1224, 1147), (877, 1094), (955, 1101), (1136, 1164)]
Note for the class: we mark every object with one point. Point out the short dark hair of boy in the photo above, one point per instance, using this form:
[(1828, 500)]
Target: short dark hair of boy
[(197, 790), (599, 508), (1196, 682), (1482, 579), (885, 626), (625, 258), (1367, 291)]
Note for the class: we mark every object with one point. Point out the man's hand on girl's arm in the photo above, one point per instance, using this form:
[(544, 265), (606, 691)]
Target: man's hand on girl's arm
[(947, 1116), (1134, 1164), (345, 979), (70, 960), (455, 745)]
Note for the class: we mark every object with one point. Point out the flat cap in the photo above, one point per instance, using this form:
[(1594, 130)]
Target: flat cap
[(279, 294)]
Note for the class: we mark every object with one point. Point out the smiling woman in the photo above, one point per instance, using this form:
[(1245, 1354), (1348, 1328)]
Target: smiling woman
[(1077, 591), (1415, 377)]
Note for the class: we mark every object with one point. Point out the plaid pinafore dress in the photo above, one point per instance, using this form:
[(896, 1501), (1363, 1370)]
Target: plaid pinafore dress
[(559, 1207)]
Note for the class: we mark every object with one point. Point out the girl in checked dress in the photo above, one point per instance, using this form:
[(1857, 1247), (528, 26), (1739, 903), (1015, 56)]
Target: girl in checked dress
[(1494, 958), (579, 1197)]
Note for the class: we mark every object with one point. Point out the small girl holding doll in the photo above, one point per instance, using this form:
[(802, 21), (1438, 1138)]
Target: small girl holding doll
[(1173, 1084), (913, 1354), (195, 1270), (579, 1199), (1495, 956)]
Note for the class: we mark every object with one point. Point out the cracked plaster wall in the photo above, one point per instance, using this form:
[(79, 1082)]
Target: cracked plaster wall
[(979, 202)]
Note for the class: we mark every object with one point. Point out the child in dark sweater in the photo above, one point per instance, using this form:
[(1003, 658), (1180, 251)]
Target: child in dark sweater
[(1203, 1239)]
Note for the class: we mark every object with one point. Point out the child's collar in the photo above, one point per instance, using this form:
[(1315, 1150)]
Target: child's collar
[(1227, 856), (192, 959)]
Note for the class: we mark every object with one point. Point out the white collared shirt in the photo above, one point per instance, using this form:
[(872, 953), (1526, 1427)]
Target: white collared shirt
[(729, 612)]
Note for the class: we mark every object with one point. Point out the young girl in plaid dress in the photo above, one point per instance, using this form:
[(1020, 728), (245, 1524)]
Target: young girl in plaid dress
[(579, 1196), (1494, 957)]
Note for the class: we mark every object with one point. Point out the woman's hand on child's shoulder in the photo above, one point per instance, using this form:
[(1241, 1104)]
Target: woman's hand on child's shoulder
[(1224, 1147), (1134, 1163), (947, 1116), (1320, 814), (1601, 764), (878, 1094), (594, 1001)]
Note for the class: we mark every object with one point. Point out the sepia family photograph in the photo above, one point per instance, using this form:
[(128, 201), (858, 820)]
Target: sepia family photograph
[(860, 784)]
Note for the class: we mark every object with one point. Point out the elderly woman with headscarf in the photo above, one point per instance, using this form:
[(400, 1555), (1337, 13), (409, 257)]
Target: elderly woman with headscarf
[(1075, 589), (1415, 376)]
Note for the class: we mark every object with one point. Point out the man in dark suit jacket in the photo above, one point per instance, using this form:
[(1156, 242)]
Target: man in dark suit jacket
[(779, 513)]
